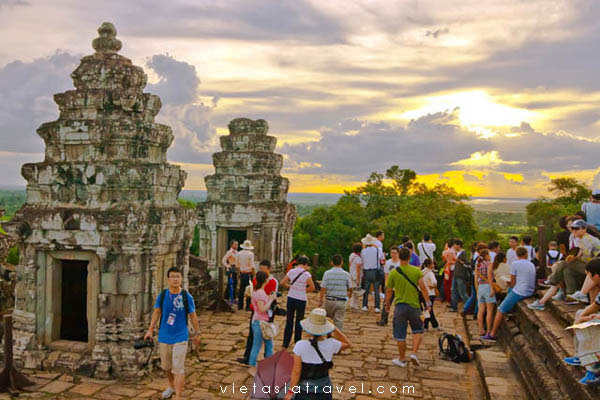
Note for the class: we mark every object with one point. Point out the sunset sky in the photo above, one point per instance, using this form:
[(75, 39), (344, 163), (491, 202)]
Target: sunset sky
[(491, 97)]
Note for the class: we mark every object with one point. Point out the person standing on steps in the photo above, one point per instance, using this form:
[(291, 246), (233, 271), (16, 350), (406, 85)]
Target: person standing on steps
[(299, 280), (356, 274), (245, 263), (174, 306), (405, 283), (335, 287), (426, 249), (228, 262), (373, 272), (270, 287)]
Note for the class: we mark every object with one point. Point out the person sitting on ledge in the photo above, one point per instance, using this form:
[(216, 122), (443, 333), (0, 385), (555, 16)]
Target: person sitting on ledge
[(522, 282), (587, 340)]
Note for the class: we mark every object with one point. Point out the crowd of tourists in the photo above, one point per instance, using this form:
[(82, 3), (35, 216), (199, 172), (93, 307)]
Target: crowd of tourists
[(410, 281)]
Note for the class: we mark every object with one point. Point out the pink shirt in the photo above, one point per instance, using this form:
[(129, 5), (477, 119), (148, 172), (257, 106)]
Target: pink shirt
[(257, 296)]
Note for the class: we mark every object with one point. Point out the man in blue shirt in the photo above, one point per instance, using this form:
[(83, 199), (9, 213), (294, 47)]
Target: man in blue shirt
[(173, 310)]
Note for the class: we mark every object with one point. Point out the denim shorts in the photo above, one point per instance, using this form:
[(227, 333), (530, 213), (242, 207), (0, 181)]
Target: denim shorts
[(404, 315), (510, 301), (484, 294)]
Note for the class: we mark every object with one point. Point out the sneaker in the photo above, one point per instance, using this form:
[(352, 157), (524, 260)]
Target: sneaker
[(439, 328), (574, 361), (365, 309), (242, 360), (382, 296), (450, 309), (590, 378), (377, 310), (536, 305), (399, 362), (560, 296), (578, 296), (414, 360), (488, 338), (168, 393)]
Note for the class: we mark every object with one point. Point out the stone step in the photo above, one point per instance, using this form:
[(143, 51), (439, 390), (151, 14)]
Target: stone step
[(499, 377), (537, 342)]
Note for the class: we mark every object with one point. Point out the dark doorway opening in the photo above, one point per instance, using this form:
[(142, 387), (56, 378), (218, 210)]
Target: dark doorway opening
[(234, 234), (74, 323)]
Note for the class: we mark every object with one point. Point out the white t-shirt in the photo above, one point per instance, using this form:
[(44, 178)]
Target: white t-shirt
[(389, 265), (524, 270), (298, 289), (424, 249), (328, 348), (370, 257), (511, 256), (492, 256), (429, 281), (355, 261)]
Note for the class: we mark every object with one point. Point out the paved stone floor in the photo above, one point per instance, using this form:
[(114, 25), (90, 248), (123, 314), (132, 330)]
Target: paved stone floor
[(367, 366)]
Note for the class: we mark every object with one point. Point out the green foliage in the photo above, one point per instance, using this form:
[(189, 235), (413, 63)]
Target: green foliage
[(404, 208), (12, 200), (513, 223), (13, 255), (187, 204), (571, 193)]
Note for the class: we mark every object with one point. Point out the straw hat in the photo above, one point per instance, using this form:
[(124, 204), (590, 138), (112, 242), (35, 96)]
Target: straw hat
[(316, 324), (368, 240), (247, 245)]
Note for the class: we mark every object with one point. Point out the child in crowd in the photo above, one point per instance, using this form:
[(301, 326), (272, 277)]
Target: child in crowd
[(431, 284)]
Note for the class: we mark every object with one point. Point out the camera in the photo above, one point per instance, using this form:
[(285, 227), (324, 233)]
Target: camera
[(140, 344)]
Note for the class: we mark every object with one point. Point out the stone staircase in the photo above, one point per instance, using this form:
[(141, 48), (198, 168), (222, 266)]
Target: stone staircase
[(537, 342)]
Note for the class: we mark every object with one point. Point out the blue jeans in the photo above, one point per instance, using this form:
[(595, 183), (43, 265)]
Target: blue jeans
[(257, 343), (371, 277), (510, 301), (459, 289), (472, 300)]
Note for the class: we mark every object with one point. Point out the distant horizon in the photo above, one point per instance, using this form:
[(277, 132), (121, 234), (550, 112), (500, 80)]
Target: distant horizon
[(24, 187)]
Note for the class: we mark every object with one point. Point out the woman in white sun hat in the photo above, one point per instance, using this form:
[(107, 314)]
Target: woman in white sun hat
[(312, 358)]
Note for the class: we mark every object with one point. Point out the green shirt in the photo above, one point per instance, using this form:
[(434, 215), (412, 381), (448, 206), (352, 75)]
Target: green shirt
[(404, 291)]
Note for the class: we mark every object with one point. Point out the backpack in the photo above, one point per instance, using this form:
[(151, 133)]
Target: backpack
[(186, 304), (552, 260), (452, 348)]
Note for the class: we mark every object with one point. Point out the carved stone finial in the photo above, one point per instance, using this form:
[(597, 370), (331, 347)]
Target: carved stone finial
[(107, 42), (240, 126)]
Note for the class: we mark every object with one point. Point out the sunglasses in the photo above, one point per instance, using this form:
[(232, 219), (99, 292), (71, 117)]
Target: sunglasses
[(575, 228)]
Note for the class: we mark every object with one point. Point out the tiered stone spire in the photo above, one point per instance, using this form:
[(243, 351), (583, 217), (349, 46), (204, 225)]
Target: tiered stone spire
[(106, 196), (105, 146), (247, 170)]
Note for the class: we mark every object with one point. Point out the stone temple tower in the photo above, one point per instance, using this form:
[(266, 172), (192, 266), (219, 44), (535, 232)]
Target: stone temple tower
[(247, 197), (101, 224)]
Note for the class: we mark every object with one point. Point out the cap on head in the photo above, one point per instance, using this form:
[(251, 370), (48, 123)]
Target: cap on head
[(579, 224)]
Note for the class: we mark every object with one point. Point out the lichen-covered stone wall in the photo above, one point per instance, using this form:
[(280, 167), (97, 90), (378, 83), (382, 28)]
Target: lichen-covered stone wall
[(104, 194)]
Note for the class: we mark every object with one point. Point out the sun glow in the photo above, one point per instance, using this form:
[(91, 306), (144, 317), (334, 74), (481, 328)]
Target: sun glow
[(476, 110)]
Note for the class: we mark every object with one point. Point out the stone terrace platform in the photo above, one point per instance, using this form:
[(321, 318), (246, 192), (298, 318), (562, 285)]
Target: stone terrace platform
[(537, 342), (368, 363)]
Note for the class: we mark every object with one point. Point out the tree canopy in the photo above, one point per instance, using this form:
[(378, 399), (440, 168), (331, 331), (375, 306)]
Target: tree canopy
[(400, 207)]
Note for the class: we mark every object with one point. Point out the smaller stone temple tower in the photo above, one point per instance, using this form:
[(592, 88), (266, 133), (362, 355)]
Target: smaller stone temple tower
[(247, 197), (101, 225)]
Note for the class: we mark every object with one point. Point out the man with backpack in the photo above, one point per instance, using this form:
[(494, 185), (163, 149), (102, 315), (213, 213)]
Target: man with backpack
[(173, 306), (407, 285)]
